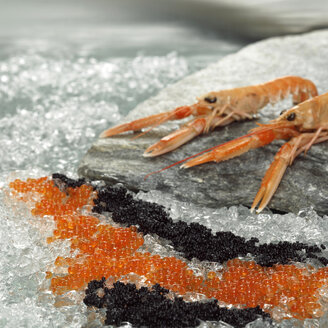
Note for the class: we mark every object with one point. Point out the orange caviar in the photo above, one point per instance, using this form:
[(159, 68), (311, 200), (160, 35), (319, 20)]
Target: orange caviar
[(107, 251), (52, 200)]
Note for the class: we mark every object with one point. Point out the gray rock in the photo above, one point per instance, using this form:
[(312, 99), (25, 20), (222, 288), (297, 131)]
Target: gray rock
[(252, 18), (305, 183)]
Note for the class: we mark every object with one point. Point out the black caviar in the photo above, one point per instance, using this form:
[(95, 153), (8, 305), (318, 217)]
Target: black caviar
[(62, 181), (195, 240), (151, 307)]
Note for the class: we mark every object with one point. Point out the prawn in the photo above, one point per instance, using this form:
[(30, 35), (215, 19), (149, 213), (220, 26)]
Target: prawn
[(217, 109), (303, 125)]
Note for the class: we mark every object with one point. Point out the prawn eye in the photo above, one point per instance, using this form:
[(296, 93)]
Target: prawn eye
[(283, 111), (291, 117), (210, 99)]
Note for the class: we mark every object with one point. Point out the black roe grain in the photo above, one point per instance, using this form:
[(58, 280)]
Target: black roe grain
[(151, 308), (195, 240), (62, 181)]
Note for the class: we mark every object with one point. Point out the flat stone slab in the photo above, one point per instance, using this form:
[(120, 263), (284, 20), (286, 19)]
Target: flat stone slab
[(305, 183)]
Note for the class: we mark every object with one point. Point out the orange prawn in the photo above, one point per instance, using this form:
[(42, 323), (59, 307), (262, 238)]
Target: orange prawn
[(304, 125), (218, 109)]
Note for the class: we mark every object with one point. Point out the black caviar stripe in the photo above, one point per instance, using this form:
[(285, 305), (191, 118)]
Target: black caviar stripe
[(62, 181), (193, 240), (151, 307), (196, 240)]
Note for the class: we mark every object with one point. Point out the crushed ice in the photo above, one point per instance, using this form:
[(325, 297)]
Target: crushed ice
[(53, 107)]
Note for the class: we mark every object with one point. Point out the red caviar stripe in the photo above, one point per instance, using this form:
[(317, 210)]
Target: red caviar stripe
[(104, 250)]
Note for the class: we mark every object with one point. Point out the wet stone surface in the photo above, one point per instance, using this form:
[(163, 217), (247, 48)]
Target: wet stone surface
[(305, 183)]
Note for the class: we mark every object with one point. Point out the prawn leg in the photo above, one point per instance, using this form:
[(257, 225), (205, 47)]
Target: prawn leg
[(282, 160), (273, 176), (154, 120), (258, 137), (186, 133)]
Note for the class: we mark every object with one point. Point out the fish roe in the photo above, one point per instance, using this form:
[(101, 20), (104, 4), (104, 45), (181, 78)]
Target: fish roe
[(106, 251)]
